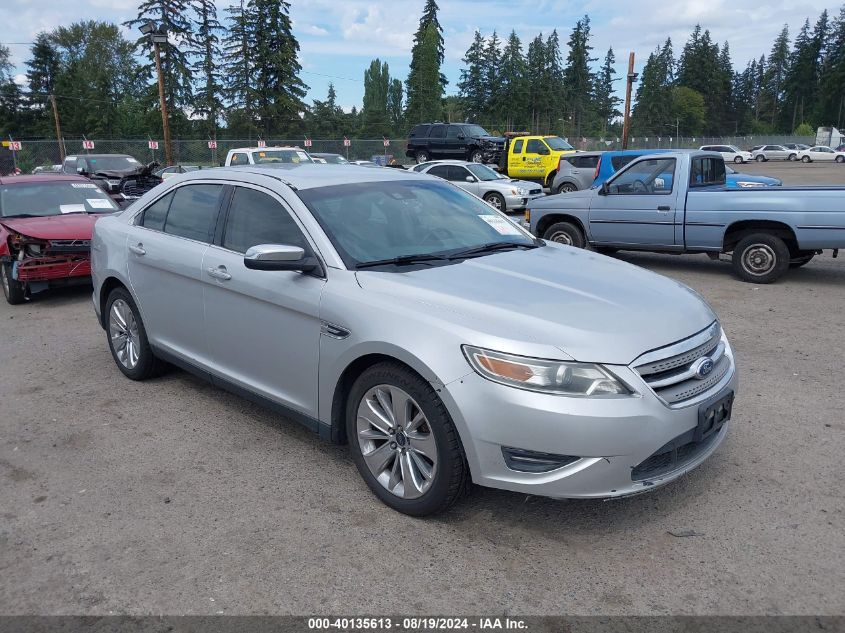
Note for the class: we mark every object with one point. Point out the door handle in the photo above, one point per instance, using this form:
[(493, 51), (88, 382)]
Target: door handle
[(664, 207), (219, 273), (138, 249)]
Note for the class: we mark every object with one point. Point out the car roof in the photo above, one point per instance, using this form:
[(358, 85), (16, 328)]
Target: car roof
[(261, 149), (450, 161), (97, 155), (306, 175), (42, 177)]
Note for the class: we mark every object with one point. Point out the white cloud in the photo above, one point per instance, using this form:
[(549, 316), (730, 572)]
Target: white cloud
[(313, 29)]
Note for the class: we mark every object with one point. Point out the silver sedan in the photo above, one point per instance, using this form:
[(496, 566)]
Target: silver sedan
[(402, 315), (501, 192)]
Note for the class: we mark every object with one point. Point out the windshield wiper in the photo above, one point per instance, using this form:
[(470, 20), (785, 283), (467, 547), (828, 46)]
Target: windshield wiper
[(492, 247), (403, 260), (23, 215)]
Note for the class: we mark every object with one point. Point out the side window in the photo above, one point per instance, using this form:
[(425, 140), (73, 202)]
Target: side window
[(653, 176), (70, 166), (589, 162), (618, 162), (193, 212), (256, 218), (437, 131), (154, 215), (239, 159), (420, 131), (536, 146), (441, 171), (458, 173), (517, 147), (707, 171), (453, 131)]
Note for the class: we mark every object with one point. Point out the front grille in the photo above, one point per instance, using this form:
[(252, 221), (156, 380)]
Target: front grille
[(671, 371), (137, 187), (674, 455), (535, 192)]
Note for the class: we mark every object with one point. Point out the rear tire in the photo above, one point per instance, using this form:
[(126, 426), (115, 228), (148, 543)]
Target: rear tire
[(760, 258), (566, 187), (496, 200), (565, 233), (840, 159), (127, 338), (13, 290), (400, 479), (421, 157)]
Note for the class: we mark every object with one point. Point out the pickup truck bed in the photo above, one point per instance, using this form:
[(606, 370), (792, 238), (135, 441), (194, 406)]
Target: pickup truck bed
[(650, 205)]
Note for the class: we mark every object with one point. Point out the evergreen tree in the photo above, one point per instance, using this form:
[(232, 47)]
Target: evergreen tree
[(395, 113), (801, 84), (12, 120), (42, 68), (326, 119), (375, 123), (471, 87), (536, 76), (425, 83), (830, 107), (513, 86), (238, 68), (605, 101), (171, 15), (653, 107), (577, 80), (777, 66), (205, 47), (492, 61)]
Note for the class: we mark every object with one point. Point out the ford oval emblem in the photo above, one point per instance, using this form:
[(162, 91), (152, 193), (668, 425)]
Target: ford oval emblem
[(703, 367)]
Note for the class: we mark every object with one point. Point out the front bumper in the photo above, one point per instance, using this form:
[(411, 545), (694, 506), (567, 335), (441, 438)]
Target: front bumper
[(610, 436), (51, 268), (518, 203)]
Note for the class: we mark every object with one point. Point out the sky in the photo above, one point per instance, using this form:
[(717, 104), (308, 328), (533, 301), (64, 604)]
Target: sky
[(339, 38)]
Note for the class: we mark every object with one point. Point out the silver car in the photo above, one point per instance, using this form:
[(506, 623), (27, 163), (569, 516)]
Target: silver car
[(501, 192), (576, 172), (400, 314), (772, 152)]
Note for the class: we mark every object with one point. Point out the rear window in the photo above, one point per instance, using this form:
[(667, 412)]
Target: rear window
[(706, 172), (618, 162), (419, 131)]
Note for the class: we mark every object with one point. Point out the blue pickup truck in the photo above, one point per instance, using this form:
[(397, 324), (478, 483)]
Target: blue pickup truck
[(678, 202)]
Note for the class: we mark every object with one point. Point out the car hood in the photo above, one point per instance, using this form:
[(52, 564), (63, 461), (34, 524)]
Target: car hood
[(510, 183), (591, 307), (575, 200), (72, 226), (140, 170), (499, 140)]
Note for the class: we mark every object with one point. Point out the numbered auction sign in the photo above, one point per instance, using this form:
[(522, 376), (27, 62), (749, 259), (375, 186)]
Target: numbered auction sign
[(308, 142), (262, 143), (212, 145), (386, 142), (87, 144), (153, 144), (15, 146), (346, 142)]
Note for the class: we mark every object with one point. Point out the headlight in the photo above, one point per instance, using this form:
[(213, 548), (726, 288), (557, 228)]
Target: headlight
[(519, 192), (549, 376), (114, 184)]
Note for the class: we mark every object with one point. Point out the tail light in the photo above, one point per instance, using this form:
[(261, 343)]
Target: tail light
[(559, 163)]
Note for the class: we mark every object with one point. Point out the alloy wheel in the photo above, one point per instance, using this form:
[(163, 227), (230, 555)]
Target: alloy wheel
[(396, 441), (123, 333)]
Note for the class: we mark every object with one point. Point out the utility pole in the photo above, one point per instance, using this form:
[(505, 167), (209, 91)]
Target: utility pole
[(158, 35), (626, 122), (59, 139)]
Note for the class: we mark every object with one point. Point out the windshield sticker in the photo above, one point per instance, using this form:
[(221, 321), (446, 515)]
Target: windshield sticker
[(72, 208), (500, 224), (99, 203), (302, 155), (83, 185), (262, 154), (131, 160)]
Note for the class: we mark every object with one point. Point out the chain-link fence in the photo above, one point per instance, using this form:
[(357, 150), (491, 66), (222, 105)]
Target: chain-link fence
[(35, 153)]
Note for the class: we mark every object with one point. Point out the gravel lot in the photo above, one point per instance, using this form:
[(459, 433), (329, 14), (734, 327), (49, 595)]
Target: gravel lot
[(172, 497)]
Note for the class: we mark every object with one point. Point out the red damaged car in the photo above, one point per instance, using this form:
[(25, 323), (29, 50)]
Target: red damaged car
[(45, 231)]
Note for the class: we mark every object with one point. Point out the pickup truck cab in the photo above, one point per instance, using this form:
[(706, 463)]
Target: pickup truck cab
[(534, 158), (677, 202), (266, 156)]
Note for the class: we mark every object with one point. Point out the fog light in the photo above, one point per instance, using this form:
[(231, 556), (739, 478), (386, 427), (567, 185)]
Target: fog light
[(534, 461)]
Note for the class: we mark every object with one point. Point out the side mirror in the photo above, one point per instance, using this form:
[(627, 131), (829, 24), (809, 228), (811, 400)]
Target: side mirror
[(81, 170), (279, 257), (461, 137), (604, 189), (470, 179)]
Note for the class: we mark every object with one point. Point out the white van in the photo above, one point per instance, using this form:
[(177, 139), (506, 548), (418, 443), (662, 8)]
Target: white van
[(266, 156)]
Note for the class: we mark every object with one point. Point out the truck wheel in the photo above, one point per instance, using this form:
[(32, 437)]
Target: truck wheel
[(421, 156), (404, 442), (475, 156), (565, 233), (804, 159), (760, 258), (566, 187), (13, 290), (496, 200), (799, 261)]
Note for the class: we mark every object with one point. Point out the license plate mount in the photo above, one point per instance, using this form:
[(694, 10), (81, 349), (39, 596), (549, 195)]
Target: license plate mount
[(713, 415)]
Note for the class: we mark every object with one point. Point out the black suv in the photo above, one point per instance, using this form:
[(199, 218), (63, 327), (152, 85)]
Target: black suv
[(119, 175), (461, 141)]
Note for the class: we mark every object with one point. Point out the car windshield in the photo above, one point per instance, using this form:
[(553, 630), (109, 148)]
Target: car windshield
[(334, 159), (734, 148), (558, 144), (475, 130), (374, 221), (53, 198), (484, 173), (281, 156), (111, 163)]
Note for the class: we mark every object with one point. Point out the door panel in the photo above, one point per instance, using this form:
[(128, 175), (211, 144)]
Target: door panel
[(636, 209), (263, 327), (515, 156), (533, 161)]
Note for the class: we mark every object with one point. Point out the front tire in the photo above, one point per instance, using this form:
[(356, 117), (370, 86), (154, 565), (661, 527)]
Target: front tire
[(128, 339), (804, 159), (760, 258), (421, 156), (738, 160), (404, 442), (496, 200), (565, 233), (566, 187), (760, 158), (840, 159), (794, 157), (13, 290), (475, 156)]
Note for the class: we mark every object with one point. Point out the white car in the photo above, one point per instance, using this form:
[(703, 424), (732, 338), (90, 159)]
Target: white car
[(821, 153), (501, 192), (731, 153), (266, 156)]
